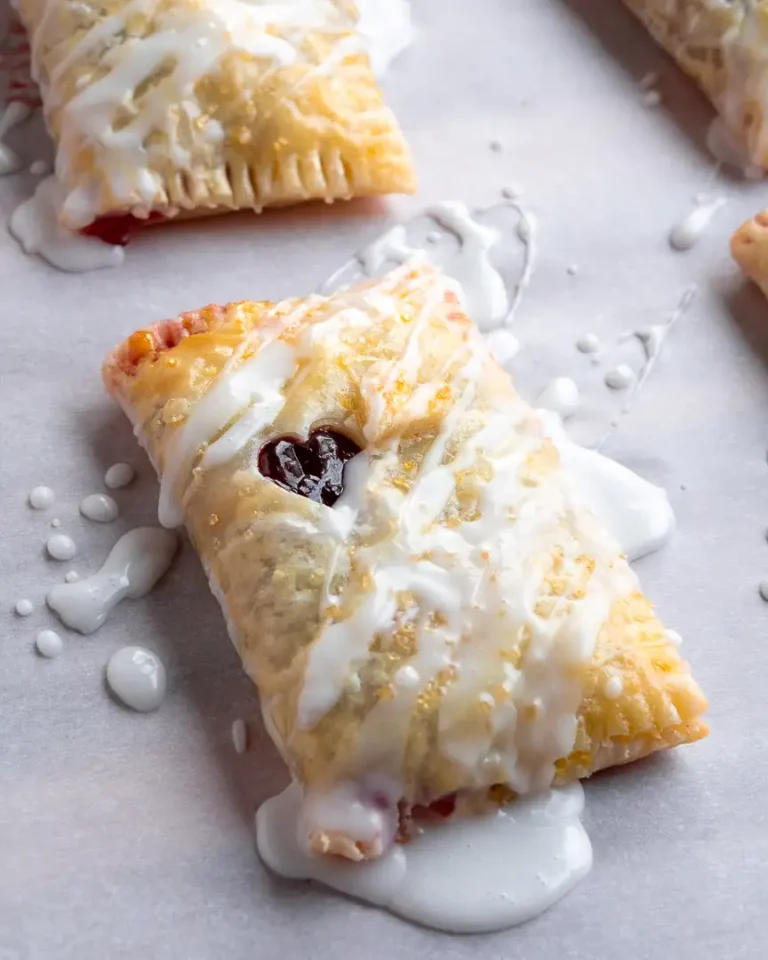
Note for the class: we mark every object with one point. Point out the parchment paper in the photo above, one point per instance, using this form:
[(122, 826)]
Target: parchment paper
[(131, 836)]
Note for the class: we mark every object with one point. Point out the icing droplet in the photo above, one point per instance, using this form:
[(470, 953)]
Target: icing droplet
[(133, 567), (49, 643), (614, 687), (119, 475), (589, 343), (35, 225), (24, 608), (561, 396), (56, 522), (137, 677), (99, 507), (619, 378), (496, 146), (72, 576), (39, 168), (61, 547), (674, 638), (503, 345), (41, 498), (572, 270), (651, 98), (763, 589), (239, 736), (691, 228), (512, 191), (434, 236)]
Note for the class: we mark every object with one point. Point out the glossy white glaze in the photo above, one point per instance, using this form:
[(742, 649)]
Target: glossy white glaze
[(35, 224), (692, 227), (119, 475), (561, 396), (24, 607), (133, 567), (99, 507), (49, 644), (41, 498), (137, 677), (61, 547), (472, 875)]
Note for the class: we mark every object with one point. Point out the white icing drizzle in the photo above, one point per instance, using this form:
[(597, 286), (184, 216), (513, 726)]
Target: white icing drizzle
[(485, 297), (137, 677), (133, 567), (256, 385), (474, 875), (484, 291), (71, 576), (41, 498), (24, 607), (35, 224), (99, 507), (385, 29), (119, 475), (14, 113), (691, 228), (561, 396), (239, 736), (49, 644), (61, 547)]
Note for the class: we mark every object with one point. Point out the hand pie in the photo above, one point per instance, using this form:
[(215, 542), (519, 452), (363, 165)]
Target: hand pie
[(749, 248), (164, 106), (724, 47), (430, 615)]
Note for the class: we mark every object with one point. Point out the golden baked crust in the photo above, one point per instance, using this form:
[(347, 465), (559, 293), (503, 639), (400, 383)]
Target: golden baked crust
[(724, 47), (749, 248), (458, 620), (161, 106)]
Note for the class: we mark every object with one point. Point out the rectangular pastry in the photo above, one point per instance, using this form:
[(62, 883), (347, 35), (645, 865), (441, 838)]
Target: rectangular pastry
[(164, 106), (431, 616), (724, 47)]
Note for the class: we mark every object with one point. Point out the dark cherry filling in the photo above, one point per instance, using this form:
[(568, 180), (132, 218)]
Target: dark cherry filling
[(313, 469), (118, 228)]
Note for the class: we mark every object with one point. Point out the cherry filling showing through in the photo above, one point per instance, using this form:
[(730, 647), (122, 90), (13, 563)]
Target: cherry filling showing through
[(313, 468)]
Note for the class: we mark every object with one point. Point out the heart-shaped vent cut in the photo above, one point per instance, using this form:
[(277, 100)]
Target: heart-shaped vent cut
[(313, 468)]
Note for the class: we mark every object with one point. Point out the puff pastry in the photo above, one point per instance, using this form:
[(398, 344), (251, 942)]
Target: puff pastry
[(724, 47), (749, 248), (452, 626), (164, 106)]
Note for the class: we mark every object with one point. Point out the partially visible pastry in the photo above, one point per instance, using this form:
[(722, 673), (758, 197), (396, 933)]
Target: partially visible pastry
[(160, 107), (723, 45), (749, 248)]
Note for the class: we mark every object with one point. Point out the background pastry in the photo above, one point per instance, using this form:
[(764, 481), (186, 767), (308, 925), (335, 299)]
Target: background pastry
[(162, 106)]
